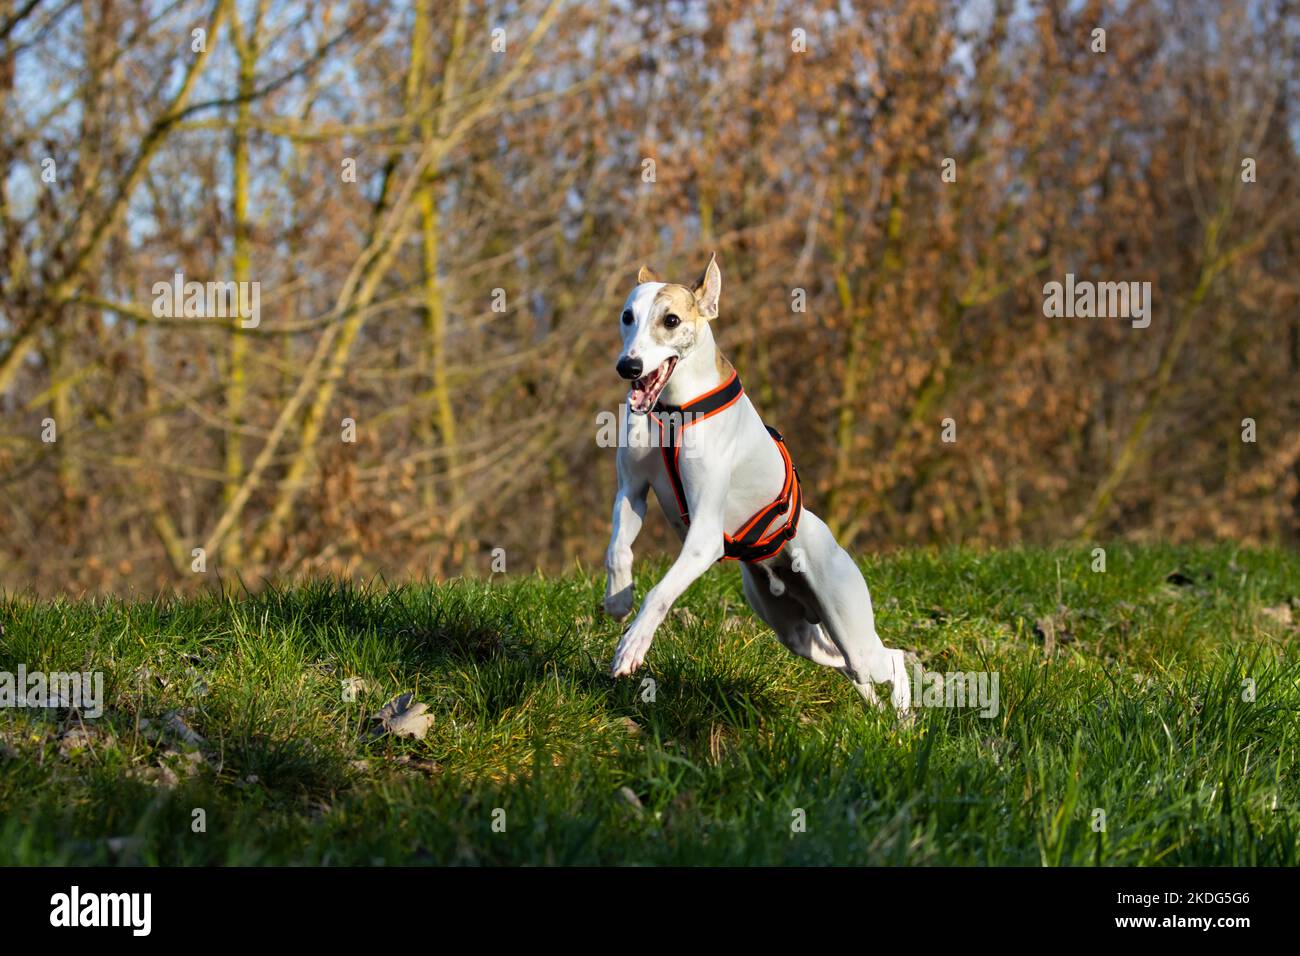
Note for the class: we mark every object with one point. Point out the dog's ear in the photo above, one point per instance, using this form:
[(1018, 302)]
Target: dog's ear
[(708, 287), (646, 275)]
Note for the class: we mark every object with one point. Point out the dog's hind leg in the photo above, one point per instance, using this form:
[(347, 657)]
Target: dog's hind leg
[(832, 584), (785, 615)]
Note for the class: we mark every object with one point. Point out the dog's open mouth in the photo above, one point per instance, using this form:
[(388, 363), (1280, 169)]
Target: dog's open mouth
[(645, 390)]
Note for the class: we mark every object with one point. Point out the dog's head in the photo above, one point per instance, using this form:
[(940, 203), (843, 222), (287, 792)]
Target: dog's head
[(660, 323)]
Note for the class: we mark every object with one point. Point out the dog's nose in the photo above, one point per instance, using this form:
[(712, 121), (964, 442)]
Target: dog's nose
[(629, 368)]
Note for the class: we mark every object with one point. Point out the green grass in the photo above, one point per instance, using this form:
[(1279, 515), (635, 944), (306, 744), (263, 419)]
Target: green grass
[(1137, 711)]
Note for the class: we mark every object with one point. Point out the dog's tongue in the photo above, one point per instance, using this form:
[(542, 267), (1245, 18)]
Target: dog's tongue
[(639, 399), (645, 390)]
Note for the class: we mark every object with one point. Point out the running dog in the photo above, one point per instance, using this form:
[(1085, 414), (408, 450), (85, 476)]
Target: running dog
[(734, 495)]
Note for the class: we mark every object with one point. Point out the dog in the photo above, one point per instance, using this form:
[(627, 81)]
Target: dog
[(731, 492)]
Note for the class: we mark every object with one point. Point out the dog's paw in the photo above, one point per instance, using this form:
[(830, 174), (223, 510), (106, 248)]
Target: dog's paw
[(625, 663), (632, 649), (619, 606)]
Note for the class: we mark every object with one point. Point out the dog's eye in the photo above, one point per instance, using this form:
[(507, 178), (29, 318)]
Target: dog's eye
[(671, 321), (627, 317)]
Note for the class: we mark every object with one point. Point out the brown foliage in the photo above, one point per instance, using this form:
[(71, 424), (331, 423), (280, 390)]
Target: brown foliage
[(522, 171)]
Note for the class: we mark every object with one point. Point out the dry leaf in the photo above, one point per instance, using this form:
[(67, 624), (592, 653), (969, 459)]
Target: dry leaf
[(77, 738), (1054, 629), (631, 726), (1280, 614), (403, 717)]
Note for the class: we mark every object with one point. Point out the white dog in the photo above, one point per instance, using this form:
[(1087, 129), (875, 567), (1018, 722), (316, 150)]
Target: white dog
[(730, 492)]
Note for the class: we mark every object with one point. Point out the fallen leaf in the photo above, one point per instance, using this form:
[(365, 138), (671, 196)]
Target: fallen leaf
[(430, 767), (403, 717), (172, 727), (1053, 629), (164, 777), (357, 685), (631, 726), (187, 762), (175, 722), (76, 738), (1280, 614)]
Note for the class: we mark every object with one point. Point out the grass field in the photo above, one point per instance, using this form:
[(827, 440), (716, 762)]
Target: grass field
[(1126, 692)]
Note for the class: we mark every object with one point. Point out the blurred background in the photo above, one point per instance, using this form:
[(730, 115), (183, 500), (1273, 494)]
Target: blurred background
[(444, 205)]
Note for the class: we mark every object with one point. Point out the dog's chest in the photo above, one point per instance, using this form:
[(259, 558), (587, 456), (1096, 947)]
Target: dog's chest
[(718, 450)]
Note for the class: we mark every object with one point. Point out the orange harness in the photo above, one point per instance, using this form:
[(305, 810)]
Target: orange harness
[(756, 540)]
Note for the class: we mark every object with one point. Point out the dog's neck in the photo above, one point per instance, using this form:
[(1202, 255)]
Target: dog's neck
[(703, 370)]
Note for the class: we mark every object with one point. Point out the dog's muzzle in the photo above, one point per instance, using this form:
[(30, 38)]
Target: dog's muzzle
[(629, 368)]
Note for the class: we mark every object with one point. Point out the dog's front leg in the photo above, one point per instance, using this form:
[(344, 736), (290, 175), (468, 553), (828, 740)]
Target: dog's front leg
[(629, 511), (702, 547)]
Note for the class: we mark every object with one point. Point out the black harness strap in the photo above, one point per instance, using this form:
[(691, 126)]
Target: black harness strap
[(755, 540)]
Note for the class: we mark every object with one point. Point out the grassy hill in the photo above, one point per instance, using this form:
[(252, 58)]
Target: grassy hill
[(1146, 715)]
